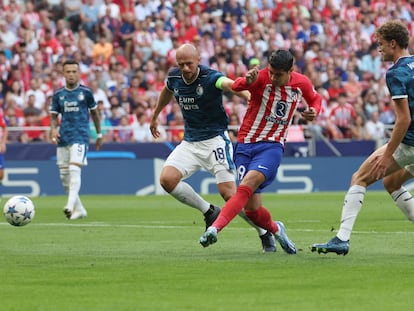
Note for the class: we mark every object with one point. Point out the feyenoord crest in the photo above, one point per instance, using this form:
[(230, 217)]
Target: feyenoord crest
[(81, 96), (199, 90)]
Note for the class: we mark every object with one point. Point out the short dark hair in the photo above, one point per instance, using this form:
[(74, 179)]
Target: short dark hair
[(70, 62), (281, 60)]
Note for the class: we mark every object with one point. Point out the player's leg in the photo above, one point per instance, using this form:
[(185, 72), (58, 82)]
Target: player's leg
[(353, 201), (179, 165), (77, 154), (401, 196), (253, 174), (227, 187), (63, 156)]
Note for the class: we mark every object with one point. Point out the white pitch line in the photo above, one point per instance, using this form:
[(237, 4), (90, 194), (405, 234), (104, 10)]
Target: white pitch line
[(159, 226)]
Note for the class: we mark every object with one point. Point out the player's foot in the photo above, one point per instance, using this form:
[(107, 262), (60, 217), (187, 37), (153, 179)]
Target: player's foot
[(335, 245), (68, 212), (281, 236), (209, 237), (79, 213), (268, 242), (211, 215)]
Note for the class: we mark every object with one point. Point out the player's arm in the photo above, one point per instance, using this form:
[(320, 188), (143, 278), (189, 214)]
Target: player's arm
[(166, 96), (97, 122), (225, 84), (245, 83), (54, 122), (382, 161), (313, 100), (402, 122), (3, 142)]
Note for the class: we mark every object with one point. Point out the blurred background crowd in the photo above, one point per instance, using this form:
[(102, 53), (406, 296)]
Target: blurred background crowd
[(126, 47)]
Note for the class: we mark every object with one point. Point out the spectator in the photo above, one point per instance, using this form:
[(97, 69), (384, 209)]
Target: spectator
[(72, 13), (370, 65), (143, 9), (161, 44), (142, 41), (16, 92), (126, 32), (359, 130), (370, 103), (102, 50), (141, 130), (124, 132), (342, 115), (232, 9), (352, 87), (15, 135), (39, 95), (335, 88), (113, 8), (177, 128), (376, 128), (89, 16), (386, 113), (109, 26), (99, 94), (32, 117), (8, 37)]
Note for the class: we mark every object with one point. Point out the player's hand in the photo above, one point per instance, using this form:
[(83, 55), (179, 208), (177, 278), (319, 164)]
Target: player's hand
[(54, 136), (309, 114), (98, 143), (154, 129), (380, 164), (251, 75)]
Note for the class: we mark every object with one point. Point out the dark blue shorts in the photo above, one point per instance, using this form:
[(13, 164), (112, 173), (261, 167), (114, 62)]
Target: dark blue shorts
[(1, 161), (264, 157)]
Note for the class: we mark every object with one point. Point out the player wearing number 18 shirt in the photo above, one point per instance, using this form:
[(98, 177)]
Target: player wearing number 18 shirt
[(206, 145), (276, 92)]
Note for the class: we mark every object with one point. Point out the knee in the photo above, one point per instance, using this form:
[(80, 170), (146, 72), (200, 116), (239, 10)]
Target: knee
[(390, 185), (168, 183)]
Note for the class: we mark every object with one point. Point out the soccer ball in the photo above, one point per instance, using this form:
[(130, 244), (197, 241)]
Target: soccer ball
[(19, 210)]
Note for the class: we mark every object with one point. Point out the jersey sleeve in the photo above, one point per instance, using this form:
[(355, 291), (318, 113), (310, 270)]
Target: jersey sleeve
[(54, 106), (396, 85), (91, 101), (239, 84), (311, 96)]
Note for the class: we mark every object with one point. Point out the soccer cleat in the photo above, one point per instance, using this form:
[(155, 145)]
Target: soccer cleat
[(209, 237), (268, 243), (281, 236), (78, 214), (335, 245), (68, 212), (211, 215)]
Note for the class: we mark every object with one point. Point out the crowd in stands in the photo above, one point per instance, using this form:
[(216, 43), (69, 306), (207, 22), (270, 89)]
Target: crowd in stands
[(126, 47)]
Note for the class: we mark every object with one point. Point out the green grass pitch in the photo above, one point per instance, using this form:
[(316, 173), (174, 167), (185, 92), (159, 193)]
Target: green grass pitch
[(142, 253)]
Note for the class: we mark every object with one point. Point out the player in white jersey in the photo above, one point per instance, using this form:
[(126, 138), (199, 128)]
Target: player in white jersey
[(71, 134), (199, 91)]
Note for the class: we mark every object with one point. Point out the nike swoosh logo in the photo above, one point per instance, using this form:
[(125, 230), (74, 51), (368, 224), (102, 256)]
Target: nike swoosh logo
[(262, 167)]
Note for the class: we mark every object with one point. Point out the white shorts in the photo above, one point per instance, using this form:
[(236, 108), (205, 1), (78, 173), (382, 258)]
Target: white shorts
[(404, 156), (75, 153), (215, 155)]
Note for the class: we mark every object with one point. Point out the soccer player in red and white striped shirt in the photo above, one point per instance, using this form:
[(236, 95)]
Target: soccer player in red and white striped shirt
[(276, 92)]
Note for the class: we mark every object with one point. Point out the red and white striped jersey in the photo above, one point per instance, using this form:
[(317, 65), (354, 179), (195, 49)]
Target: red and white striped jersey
[(271, 108)]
